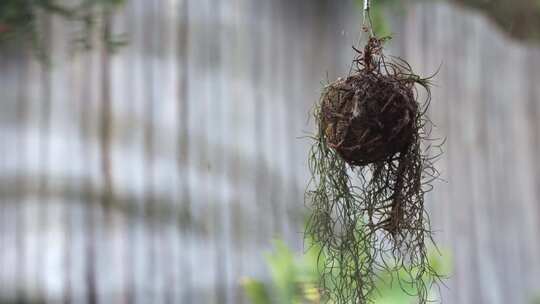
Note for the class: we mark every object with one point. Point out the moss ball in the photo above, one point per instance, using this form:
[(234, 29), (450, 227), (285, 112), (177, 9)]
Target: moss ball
[(369, 117)]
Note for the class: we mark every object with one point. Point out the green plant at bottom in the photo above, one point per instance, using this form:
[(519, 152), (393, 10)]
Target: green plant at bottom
[(294, 279)]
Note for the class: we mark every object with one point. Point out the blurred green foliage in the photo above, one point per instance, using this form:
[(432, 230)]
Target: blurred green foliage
[(518, 18), (294, 279), (19, 19), (379, 20)]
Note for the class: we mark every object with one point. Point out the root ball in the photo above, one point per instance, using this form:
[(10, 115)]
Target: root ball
[(369, 117)]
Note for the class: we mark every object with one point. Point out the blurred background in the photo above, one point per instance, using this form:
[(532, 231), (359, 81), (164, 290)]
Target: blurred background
[(153, 151)]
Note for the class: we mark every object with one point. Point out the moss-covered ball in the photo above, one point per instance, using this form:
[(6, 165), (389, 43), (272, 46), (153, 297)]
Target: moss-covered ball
[(369, 117)]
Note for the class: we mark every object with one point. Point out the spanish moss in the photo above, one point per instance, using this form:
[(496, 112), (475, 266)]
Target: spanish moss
[(371, 165)]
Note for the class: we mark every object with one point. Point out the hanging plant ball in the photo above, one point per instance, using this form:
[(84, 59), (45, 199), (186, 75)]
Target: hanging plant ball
[(371, 169), (369, 117)]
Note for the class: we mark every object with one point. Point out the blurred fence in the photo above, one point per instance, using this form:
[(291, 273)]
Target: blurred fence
[(487, 105), (161, 173)]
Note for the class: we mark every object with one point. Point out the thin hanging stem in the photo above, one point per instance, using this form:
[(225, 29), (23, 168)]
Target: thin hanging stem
[(366, 28), (366, 23)]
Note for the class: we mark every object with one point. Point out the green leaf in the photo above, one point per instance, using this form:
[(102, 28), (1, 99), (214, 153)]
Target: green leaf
[(256, 291), (283, 272)]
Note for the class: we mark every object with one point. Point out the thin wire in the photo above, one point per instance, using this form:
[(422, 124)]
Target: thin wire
[(366, 27), (366, 23), (366, 8), (367, 17)]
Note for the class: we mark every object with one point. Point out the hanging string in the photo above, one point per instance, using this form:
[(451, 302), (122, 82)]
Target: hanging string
[(366, 28), (366, 21)]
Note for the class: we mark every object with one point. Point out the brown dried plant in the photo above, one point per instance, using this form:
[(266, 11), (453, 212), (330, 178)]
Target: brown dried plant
[(371, 166)]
